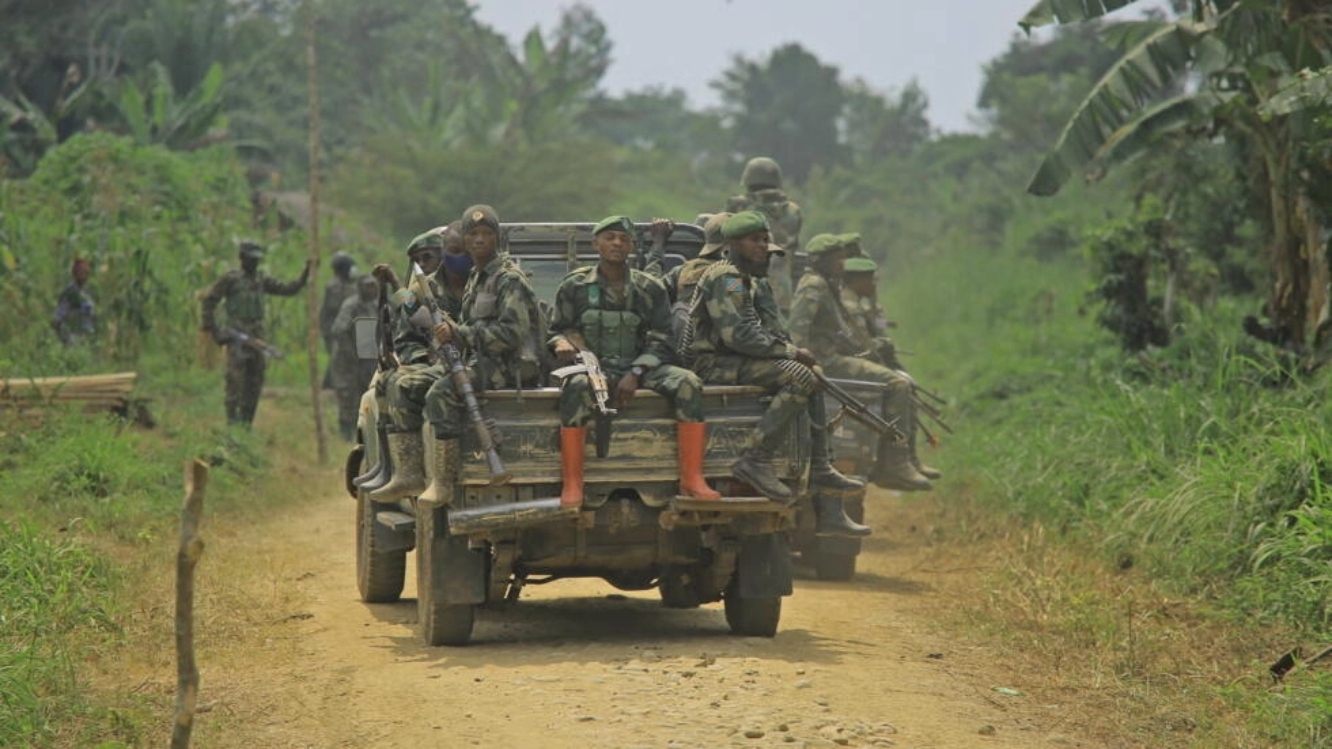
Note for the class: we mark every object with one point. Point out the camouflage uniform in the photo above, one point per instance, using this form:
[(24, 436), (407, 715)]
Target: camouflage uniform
[(349, 373), (740, 339), (339, 289), (409, 385), (73, 320), (242, 295), (763, 182), (625, 328)]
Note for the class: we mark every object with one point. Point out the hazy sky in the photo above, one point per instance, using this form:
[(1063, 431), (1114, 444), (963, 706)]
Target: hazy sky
[(687, 43)]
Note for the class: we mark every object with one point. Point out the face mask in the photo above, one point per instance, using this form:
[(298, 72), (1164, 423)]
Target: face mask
[(458, 265)]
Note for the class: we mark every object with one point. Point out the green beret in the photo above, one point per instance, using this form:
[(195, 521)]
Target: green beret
[(742, 223), (618, 223), (860, 265), (821, 243), (479, 215), (851, 242), (431, 239)]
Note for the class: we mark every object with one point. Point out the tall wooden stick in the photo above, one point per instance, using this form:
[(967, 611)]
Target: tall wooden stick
[(191, 548), (312, 298)]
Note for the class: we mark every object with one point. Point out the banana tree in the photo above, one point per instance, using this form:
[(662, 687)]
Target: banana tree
[(162, 116), (1231, 59)]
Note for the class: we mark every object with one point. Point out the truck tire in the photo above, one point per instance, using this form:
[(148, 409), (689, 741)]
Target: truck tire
[(441, 623), (834, 567), (352, 468), (751, 617), (379, 574)]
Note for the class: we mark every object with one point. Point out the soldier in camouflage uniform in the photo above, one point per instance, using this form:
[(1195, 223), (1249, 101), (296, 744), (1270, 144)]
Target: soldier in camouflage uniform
[(622, 316), (350, 373), (762, 179), (73, 320), (499, 326), (860, 299), (740, 339), (242, 294), (819, 322), (339, 289), (682, 279)]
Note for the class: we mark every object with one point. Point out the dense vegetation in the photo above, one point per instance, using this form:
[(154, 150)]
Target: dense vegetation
[(1092, 343)]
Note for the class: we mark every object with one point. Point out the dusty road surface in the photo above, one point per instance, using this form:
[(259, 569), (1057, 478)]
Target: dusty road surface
[(579, 664)]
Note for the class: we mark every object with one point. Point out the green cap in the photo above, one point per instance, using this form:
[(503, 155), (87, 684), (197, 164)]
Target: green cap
[(479, 215), (823, 243), (851, 242), (433, 238), (618, 223), (859, 265), (712, 235), (742, 223)]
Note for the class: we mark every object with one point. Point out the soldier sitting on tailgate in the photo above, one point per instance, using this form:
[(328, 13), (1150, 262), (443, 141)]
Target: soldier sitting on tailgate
[(622, 316), (818, 321), (739, 339)]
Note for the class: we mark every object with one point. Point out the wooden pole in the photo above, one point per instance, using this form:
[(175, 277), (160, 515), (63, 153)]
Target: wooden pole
[(191, 548), (312, 298)]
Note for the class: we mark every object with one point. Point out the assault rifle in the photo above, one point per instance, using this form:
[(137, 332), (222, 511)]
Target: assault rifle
[(231, 335), (587, 363), (857, 410), (428, 315)]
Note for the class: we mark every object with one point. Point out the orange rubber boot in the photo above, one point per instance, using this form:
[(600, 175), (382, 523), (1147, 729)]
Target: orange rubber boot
[(692, 437), (572, 441)]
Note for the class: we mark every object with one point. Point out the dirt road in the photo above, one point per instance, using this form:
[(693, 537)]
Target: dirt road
[(579, 664)]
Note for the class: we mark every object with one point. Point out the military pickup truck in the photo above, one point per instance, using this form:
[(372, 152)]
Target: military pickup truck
[(482, 544)]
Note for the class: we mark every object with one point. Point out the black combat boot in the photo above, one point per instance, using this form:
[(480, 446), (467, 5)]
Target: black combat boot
[(822, 473), (831, 518), (755, 468)]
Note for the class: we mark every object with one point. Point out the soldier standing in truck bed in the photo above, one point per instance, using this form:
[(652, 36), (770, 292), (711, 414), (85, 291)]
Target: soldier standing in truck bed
[(241, 292), (622, 316), (762, 179)]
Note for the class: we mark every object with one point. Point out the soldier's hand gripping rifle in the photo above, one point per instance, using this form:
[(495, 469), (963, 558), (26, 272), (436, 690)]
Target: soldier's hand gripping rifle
[(587, 363), (231, 335), (462, 378)]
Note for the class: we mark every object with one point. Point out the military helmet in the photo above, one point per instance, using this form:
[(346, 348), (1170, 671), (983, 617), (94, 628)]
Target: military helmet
[(430, 239), (860, 265), (761, 173), (249, 249), (821, 244), (712, 235), (342, 262)]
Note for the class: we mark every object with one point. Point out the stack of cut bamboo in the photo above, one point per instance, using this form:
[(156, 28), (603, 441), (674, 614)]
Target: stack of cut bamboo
[(105, 390)]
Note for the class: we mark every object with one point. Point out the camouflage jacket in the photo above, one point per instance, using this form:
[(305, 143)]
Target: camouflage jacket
[(784, 223), (684, 277), (411, 343), (643, 308), (817, 319), (501, 324), (336, 291), (343, 333), (738, 316), (244, 300)]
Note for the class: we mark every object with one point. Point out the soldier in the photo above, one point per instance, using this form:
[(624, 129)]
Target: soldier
[(682, 279), (740, 339), (351, 374), (860, 299), (243, 291), (762, 179), (73, 320), (819, 322), (499, 326), (339, 289), (622, 316)]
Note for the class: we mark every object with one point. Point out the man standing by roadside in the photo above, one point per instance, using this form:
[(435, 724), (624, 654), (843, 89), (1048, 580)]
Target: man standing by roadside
[(242, 292), (350, 373), (622, 315), (339, 289), (73, 320)]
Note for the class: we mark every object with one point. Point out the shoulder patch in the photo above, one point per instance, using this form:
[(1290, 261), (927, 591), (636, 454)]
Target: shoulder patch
[(734, 284)]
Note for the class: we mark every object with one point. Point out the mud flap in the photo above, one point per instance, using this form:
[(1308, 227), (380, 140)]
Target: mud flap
[(458, 573), (394, 531), (764, 566)]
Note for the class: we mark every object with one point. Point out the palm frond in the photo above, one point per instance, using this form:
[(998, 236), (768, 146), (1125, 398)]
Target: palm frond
[(1047, 12)]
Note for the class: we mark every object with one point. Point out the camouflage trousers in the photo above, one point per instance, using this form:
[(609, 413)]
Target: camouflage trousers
[(790, 396), (681, 387), (244, 382), (426, 392), (899, 386), (350, 387)]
